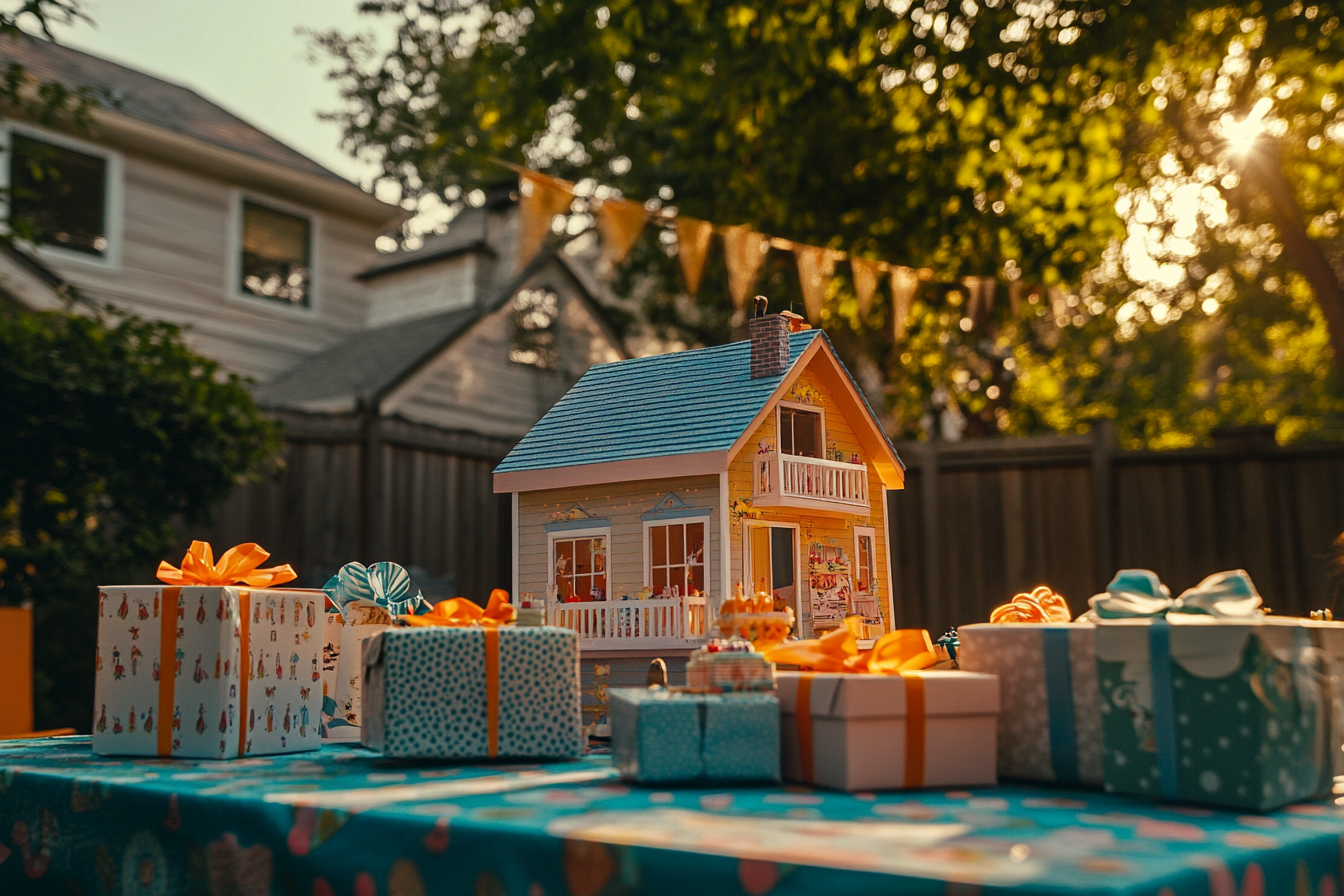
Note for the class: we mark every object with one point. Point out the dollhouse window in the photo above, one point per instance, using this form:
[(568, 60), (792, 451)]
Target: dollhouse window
[(535, 312), (676, 558), (579, 567), (865, 560), (800, 432)]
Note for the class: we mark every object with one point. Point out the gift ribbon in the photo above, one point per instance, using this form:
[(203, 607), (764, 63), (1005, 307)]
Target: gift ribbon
[(459, 612), (238, 565), (386, 584), (167, 668), (1063, 727), (244, 674), (903, 652), (1041, 605)]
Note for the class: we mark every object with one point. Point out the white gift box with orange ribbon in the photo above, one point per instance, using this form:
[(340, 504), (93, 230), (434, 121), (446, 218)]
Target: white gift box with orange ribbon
[(889, 732), (207, 671)]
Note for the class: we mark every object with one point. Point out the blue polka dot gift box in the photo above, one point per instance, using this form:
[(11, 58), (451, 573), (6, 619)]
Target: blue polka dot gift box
[(661, 736), (1206, 700), (473, 692)]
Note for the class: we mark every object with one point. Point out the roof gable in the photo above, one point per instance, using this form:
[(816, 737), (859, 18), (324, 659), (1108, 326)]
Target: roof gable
[(694, 404), (155, 101), (367, 366)]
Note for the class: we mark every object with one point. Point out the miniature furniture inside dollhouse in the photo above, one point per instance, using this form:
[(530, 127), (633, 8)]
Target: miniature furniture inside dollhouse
[(658, 486)]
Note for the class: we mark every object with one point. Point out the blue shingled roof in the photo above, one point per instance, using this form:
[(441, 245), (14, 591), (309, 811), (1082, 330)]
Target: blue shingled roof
[(681, 403)]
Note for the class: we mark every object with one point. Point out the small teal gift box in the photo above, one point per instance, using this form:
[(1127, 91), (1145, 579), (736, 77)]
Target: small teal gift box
[(472, 692), (1204, 699), (661, 736)]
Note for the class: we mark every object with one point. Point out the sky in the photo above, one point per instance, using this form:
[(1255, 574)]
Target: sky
[(244, 55)]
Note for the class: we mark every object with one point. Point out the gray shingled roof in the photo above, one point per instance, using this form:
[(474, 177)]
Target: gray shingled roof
[(367, 363), (154, 101), (466, 233)]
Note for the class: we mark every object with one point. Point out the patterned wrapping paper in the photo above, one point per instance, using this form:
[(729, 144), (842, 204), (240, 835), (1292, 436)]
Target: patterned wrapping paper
[(1244, 714), (658, 736), (234, 683), (1050, 714), (343, 820), (426, 693)]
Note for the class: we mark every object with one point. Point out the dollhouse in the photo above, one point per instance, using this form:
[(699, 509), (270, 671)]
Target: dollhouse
[(656, 485)]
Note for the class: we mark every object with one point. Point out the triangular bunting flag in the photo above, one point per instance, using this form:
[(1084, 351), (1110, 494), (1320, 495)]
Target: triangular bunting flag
[(542, 199), (972, 285), (903, 283), (693, 238), (621, 223), (744, 252), (865, 282), (816, 267)]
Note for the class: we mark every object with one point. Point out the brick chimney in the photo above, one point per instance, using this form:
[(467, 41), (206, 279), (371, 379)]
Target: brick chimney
[(769, 345)]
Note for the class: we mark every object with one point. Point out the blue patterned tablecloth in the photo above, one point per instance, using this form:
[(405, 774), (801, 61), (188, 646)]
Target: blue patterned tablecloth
[(344, 821)]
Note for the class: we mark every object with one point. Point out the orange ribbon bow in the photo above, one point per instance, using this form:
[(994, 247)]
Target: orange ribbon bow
[(1041, 605), (904, 650), (238, 566), (459, 611)]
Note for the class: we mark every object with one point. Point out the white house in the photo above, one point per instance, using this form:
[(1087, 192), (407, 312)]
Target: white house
[(173, 208)]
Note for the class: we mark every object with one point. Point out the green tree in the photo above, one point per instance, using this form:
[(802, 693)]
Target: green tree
[(114, 432), (1155, 174)]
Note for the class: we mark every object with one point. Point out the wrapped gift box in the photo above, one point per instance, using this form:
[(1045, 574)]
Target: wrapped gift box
[(472, 692), (208, 672), (885, 732), (661, 736), (1230, 713), (1049, 717)]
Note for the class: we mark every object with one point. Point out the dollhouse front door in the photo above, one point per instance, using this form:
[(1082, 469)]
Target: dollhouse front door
[(772, 563)]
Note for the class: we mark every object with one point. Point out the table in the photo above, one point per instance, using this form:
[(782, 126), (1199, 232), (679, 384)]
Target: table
[(345, 821)]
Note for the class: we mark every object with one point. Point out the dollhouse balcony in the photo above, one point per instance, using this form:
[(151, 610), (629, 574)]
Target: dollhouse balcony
[(786, 480), (634, 624)]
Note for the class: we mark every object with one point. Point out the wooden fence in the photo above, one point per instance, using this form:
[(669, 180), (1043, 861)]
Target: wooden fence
[(356, 489), (979, 522), (976, 523)]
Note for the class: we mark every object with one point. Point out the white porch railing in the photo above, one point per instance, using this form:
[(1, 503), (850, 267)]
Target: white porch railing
[(634, 624), (786, 479)]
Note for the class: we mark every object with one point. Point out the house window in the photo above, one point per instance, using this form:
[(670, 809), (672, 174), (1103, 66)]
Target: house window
[(579, 566), (535, 312), (60, 194), (676, 553), (865, 560), (277, 255), (800, 432)]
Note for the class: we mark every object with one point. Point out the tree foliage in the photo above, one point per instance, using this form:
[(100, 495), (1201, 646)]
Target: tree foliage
[(1163, 178), (114, 431)]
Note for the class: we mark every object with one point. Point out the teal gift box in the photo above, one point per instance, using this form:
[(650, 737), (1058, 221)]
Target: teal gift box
[(661, 736), (1217, 704), (472, 692)]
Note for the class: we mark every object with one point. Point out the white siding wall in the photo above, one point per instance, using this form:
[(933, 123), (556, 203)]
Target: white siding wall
[(474, 385), (623, 503), (423, 290), (177, 264)]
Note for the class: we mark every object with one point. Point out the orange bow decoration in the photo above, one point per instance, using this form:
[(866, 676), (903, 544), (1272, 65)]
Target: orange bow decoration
[(238, 566), (1041, 605), (460, 612), (904, 650)]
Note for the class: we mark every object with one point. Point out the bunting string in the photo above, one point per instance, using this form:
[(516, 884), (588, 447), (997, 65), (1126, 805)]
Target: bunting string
[(620, 223)]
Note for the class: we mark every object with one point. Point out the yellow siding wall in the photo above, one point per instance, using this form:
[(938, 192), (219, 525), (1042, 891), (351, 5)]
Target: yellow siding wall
[(623, 503), (812, 528)]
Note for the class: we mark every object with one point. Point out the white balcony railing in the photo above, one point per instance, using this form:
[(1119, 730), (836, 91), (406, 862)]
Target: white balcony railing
[(634, 624), (789, 480)]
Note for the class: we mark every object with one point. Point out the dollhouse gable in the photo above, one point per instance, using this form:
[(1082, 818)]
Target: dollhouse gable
[(681, 414)]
